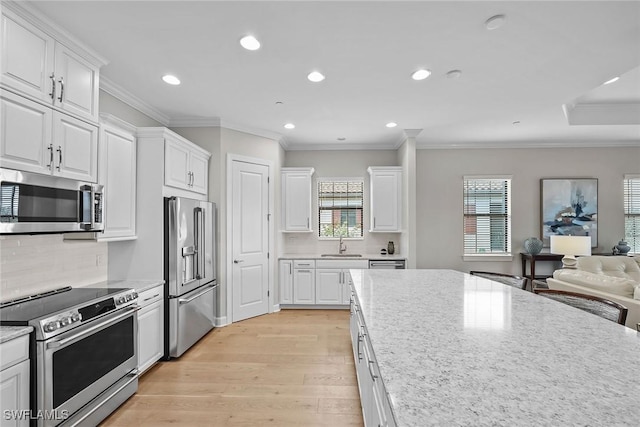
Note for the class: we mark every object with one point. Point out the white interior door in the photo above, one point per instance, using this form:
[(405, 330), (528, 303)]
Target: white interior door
[(250, 240)]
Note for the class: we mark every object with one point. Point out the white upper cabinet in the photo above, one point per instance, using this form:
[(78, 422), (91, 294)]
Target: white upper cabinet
[(186, 165), (36, 65), (117, 172), (296, 199), (36, 139), (386, 198)]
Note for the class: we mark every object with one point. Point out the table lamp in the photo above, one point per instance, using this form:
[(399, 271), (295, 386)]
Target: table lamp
[(570, 246)]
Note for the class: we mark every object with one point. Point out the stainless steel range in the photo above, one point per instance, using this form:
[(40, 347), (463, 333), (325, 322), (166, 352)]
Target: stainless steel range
[(85, 344)]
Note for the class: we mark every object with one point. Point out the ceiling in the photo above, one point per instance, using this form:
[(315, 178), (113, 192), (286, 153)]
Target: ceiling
[(515, 79)]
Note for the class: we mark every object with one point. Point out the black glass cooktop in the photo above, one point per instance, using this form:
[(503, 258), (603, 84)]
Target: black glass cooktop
[(20, 312)]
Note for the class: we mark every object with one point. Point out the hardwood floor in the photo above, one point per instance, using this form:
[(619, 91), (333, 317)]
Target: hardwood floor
[(291, 368)]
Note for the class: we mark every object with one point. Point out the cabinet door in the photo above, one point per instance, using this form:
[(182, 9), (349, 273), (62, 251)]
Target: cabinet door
[(26, 61), (76, 84), (329, 286), (296, 200), (25, 134), (286, 282), (386, 199), (304, 287), (150, 335), (14, 393), (199, 168), (176, 165), (117, 172), (75, 148)]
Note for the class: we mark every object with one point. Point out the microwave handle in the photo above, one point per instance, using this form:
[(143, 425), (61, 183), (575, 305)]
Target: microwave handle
[(92, 207)]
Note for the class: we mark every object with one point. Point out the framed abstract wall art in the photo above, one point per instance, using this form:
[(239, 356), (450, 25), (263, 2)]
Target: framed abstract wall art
[(569, 207)]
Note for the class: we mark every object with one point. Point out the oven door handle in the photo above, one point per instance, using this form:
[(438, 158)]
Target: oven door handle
[(88, 331)]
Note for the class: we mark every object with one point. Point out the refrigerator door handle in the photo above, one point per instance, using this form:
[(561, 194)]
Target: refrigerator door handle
[(198, 295), (197, 238)]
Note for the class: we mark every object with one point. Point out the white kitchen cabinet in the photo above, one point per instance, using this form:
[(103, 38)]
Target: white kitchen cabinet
[(304, 282), (333, 279), (296, 199), (286, 281), (385, 185), (117, 172), (186, 165), (36, 139), (36, 65), (14, 381), (150, 327)]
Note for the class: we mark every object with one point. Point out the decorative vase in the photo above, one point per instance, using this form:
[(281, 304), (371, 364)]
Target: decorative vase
[(391, 248), (533, 245), (622, 247)]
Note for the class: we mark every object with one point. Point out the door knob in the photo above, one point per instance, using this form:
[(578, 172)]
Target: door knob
[(237, 261)]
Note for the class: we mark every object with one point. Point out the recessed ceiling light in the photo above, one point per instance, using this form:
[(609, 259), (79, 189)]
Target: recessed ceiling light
[(615, 79), (495, 22), (289, 126), (516, 122), (391, 124), (342, 138), (454, 74), (279, 102), (315, 76), (250, 43), (172, 80), (421, 74)]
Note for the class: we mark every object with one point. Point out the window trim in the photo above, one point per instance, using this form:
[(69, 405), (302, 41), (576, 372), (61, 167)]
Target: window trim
[(491, 256), (358, 179)]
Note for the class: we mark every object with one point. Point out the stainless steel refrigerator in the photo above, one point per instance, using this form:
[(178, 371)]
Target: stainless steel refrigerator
[(190, 272)]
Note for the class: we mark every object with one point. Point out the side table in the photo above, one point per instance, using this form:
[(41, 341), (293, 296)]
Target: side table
[(524, 257)]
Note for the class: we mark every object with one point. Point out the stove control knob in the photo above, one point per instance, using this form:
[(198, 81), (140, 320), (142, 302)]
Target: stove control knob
[(65, 321), (134, 295), (51, 326), (121, 300), (75, 317), (128, 297)]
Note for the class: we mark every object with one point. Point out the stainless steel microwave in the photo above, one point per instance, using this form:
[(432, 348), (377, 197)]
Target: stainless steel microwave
[(31, 203)]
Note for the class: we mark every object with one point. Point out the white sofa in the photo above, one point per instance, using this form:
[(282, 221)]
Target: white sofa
[(616, 278)]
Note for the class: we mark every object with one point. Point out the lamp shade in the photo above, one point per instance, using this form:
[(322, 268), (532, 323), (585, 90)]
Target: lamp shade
[(571, 245)]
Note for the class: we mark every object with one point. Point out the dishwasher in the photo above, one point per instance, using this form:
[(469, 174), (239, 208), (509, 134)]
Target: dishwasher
[(387, 264)]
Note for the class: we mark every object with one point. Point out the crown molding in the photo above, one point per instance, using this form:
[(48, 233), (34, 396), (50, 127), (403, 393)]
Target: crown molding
[(527, 144), (133, 101), (194, 122)]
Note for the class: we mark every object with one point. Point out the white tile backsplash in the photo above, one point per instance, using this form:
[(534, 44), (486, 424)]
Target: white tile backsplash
[(33, 264)]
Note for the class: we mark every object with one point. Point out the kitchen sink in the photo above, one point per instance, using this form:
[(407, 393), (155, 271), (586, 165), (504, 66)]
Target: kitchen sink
[(342, 255)]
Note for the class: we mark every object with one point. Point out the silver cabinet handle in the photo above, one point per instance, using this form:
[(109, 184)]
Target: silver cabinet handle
[(150, 298), (61, 89), (59, 150), (373, 376), (50, 148), (53, 87), (238, 261)]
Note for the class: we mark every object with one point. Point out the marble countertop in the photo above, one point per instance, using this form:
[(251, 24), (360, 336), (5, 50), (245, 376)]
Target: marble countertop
[(367, 256), (138, 285), (8, 333), (455, 349)]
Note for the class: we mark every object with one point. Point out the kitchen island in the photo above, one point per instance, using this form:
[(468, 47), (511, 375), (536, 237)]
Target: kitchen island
[(454, 349)]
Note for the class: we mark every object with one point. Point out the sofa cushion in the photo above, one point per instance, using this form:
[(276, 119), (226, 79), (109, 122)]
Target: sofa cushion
[(614, 266), (602, 282)]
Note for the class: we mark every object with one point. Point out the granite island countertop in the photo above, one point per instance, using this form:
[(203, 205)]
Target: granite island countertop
[(455, 349)]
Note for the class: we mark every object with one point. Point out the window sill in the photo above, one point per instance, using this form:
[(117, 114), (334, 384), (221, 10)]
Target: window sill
[(488, 257)]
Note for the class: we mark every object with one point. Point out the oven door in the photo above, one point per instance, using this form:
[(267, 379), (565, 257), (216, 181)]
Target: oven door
[(75, 367)]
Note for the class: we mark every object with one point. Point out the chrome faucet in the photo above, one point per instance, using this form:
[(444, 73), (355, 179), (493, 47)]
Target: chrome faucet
[(342, 248)]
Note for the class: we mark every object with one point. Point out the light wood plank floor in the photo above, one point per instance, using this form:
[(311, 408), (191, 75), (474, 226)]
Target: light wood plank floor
[(292, 368)]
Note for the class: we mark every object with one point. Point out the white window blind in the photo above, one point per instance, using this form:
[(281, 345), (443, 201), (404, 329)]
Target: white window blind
[(632, 212), (340, 208), (487, 215)]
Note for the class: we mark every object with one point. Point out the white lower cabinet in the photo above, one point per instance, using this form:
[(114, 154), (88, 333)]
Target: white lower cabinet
[(150, 327), (320, 282), (14, 382), (376, 409)]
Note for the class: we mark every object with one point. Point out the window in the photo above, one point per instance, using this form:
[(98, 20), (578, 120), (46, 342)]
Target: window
[(632, 212), (340, 208), (487, 215)]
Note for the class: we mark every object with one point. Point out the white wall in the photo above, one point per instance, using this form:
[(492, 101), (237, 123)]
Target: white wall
[(340, 164), (439, 196)]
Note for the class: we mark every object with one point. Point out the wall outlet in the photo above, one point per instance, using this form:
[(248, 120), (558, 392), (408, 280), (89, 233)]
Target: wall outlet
[(98, 260)]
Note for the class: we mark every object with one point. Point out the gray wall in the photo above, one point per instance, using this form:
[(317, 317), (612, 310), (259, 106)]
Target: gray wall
[(439, 196)]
